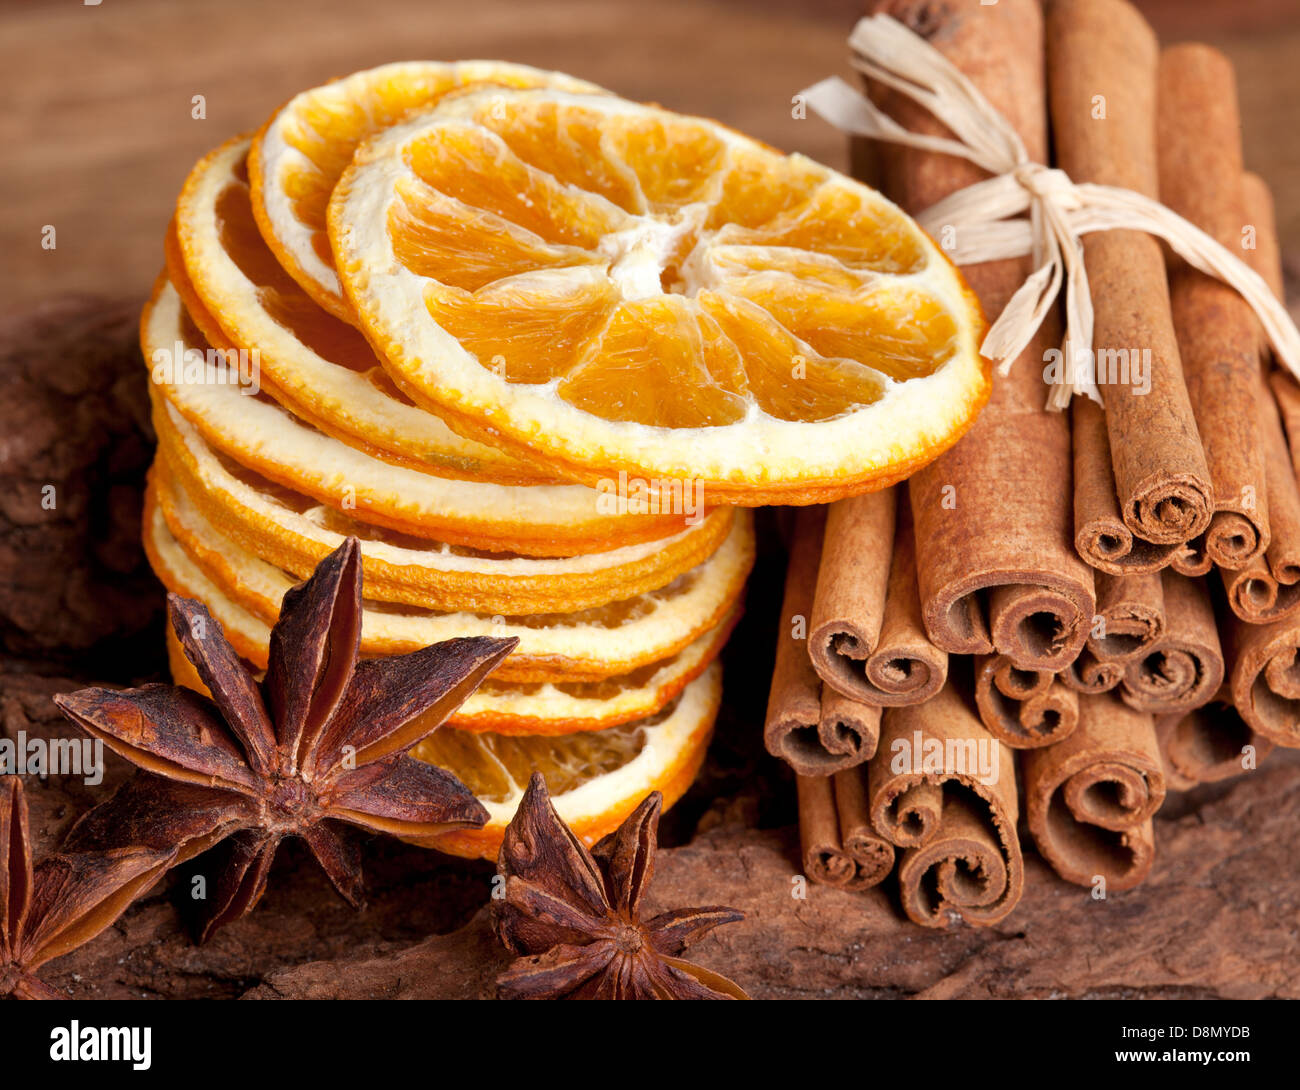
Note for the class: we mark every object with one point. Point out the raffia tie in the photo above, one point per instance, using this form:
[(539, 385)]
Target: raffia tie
[(985, 221)]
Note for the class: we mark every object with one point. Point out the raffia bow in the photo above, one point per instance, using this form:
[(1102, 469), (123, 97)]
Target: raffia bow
[(984, 221)]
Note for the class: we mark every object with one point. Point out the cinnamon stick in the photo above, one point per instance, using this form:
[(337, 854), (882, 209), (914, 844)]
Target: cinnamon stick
[(1174, 778), (994, 514), (1090, 675), (1200, 179), (873, 854), (796, 730), (1259, 213), (1208, 744), (824, 858), (1185, 669), (1102, 59), (1100, 535), (1287, 392), (1089, 801), (1132, 612), (848, 722), (1191, 559), (943, 789), (1023, 708), (868, 640), (839, 846), (1262, 659), (1129, 622), (1268, 587), (1264, 677)]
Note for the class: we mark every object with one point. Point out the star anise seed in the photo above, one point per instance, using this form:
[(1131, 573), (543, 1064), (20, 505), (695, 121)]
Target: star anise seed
[(319, 744), (50, 908), (574, 914)]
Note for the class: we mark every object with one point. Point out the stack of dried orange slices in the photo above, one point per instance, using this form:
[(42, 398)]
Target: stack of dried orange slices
[(537, 347)]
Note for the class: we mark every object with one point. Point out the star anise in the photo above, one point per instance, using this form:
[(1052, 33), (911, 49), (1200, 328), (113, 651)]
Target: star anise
[(65, 900), (322, 740), (574, 914)]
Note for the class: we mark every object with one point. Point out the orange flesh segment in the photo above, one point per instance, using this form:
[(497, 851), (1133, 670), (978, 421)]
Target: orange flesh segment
[(786, 380), (838, 223), (568, 147), (895, 331), (676, 163), (659, 362), (478, 169), (527, 328), (754, 191), (445, 240)]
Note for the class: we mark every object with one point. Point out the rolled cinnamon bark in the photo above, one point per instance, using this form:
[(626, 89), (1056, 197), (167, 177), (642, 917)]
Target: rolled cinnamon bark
[(1263, 671), (1090, 675), (1266, 259), (1268, 588), (796, 730), (1191, 559), (873, 854), (1208, 744), (1185, 669), (964, 869), (1089, 800), (1023, 708), (994, 514), (1287, 393), (1132, 611), (1102, 59), (943, 789), (1100, 535), (824, 858), (1200, 178), (1174, 779), (1264, 677), (1259, 212), (848, 722), (868, 640), (839, 846)]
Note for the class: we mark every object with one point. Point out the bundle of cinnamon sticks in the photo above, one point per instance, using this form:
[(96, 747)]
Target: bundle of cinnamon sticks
[(1070, 613)]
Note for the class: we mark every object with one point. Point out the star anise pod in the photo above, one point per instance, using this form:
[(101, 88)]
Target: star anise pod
[(322, 740), (575, 914), (49, 909)]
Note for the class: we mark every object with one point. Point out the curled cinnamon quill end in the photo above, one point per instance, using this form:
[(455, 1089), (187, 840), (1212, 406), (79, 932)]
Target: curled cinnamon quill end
[(1089, 801)]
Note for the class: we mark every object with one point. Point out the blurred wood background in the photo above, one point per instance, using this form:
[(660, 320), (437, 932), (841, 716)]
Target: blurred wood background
[(98, 134)]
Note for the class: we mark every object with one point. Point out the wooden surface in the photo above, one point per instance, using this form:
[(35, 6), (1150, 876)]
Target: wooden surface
[(98, 135)]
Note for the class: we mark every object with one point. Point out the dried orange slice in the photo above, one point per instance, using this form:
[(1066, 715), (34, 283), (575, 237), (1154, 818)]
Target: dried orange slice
[(294, 532), (260, 434), (602, 286), (499, 707), (301, 151), (589, 645), (595, 779), (317, 366)]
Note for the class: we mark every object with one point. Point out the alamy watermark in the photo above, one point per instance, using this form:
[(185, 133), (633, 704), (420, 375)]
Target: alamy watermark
[(24, 756), (977, 758), (1130, 367), (102, 1044), (651, 496), (182, 366)]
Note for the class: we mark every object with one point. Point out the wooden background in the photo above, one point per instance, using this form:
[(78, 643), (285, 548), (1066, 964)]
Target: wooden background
[(98, 135)]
